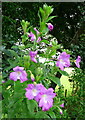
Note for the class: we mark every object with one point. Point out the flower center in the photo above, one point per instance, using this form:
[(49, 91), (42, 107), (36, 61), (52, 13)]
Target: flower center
[(34, 91), (19, 74), (61, 60), (44, 98)]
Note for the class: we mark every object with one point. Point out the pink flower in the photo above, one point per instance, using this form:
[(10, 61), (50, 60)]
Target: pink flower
[(36, 30), (78, 60), (33, 90), (45, 99), (63, 60), (50, 26), (19, 73), (33, 55), (33, 37), (39, 39)]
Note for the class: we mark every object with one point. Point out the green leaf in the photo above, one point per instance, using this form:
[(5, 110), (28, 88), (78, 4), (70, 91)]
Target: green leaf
[(23, 22), (49, 10), (32, 105), (45, 41), (15, 47), (53, 52), (43, 27), (24, 38), (41, 114), (64, 73), (42, 13), (52, 114), (29, 45), (51, 17), (13, 53), (7, 52), (45, 30), (39, 16), (56, 80)]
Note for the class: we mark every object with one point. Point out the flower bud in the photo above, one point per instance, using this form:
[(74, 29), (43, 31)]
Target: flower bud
[(32, 77), (44, 6), (61, 111), (50, 26)]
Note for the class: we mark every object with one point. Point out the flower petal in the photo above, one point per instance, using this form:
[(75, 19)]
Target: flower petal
[(78, 60), (17, 68), (60, 65), (13, 76), (39, 39), (33, 59), (29, 95)]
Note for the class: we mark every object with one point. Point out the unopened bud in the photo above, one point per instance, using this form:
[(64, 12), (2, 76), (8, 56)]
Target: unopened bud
[(32, 77)]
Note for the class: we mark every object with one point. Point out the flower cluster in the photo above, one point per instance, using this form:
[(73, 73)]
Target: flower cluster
[(63, 59), (40, 94), (37, 91)]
